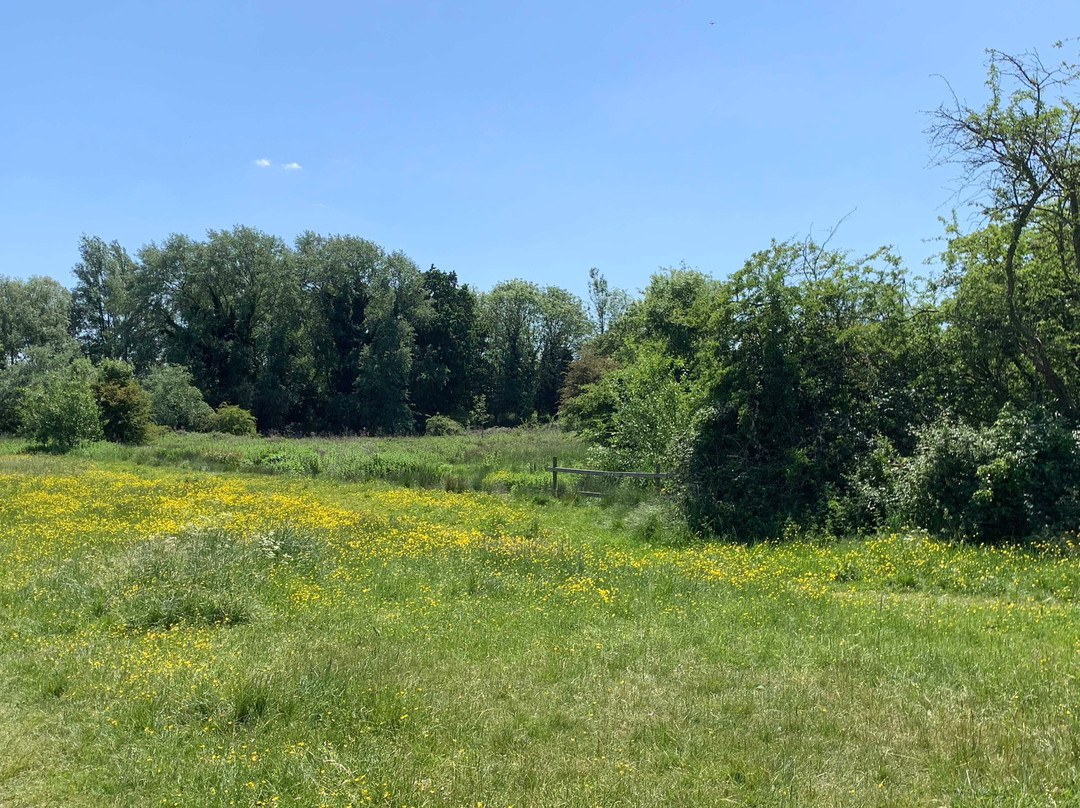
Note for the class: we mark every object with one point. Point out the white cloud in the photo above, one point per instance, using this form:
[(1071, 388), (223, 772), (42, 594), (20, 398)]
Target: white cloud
[(292, 166), (262, 162)]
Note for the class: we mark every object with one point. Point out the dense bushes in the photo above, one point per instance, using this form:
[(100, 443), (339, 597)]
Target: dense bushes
[(808, 390), (1012, 478), (124, 407), (59, 410)]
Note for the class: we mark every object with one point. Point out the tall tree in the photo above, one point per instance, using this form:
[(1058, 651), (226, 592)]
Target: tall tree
[(398, 304), (365, 305), (1021, 154), (563, 328), (103, 313), (606, 302), (510, 314), (225, 307), (447, 349)]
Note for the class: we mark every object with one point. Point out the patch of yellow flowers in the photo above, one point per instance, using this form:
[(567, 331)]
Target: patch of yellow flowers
[(46, 519)]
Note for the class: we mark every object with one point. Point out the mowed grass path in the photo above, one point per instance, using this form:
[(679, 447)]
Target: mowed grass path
[(182, 638)]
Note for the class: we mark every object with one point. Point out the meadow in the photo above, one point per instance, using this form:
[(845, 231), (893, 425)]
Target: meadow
[(202, 636), (495, 460)]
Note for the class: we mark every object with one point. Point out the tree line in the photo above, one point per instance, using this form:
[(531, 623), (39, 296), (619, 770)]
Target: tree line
[(332, 334)]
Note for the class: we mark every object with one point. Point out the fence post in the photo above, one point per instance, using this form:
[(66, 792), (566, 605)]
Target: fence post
[(554, 477), (659, 482)]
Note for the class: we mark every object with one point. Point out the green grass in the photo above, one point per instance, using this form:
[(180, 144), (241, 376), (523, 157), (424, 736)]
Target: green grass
[(500, 461), (173, 636)]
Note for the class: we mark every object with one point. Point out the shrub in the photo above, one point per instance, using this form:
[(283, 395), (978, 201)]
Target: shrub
[(124, 407), (60, 410), (232, 420), (443, 425), (1002, 482), (16, 379), (175, 401)]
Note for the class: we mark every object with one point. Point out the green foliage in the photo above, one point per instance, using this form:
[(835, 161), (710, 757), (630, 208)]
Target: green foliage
[(34, 313), (365, 305), (1020, 153), (816, 357), (334, 334), (123, 405), (229, 309), (992, 362), (583, 372), (478, 415), (642, 401), (104, 316), (175, 401), (30, 371), (59, 409), (447, 349), (229, 419), (607, 304), (1004, 482), (532, 335), (442, 425)]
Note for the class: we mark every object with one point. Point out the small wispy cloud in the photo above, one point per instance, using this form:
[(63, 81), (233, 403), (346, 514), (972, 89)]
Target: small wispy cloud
[(292, 166), (262, 162)]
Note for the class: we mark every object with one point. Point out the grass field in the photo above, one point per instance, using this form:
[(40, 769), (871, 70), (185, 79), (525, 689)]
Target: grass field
[(497, 461), (187, 637)]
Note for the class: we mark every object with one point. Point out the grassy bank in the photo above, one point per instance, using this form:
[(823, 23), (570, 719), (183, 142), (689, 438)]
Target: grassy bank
[(190, 638), (497, 461)]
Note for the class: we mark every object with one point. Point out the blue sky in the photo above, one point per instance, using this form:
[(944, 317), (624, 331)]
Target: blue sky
[(494, 139)]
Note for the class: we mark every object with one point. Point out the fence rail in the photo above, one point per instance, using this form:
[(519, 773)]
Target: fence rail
[(556, 470)]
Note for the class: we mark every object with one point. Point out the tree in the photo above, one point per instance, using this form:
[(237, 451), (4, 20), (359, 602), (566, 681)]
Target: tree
[(33, 313), (123, 406), (1021, 154), (563, 328), (59, 410), (175, 401), (447, 347), (816, 360), (365, 307), (228, 308), (660, 354), (30, 372), (510, 315), (103, 315), (989, 360), (606, 302)]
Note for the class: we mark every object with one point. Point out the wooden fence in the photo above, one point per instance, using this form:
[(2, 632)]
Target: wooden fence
[(556, 470)]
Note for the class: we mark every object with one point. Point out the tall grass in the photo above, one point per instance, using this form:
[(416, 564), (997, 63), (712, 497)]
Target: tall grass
[(497, 460)]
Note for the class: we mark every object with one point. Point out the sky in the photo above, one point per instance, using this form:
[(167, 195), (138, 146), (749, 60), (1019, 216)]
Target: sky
[(493, 139)]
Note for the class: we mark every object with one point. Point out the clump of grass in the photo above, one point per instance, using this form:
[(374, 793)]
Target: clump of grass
[(198, 577), (202, 576), (657, 521)]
